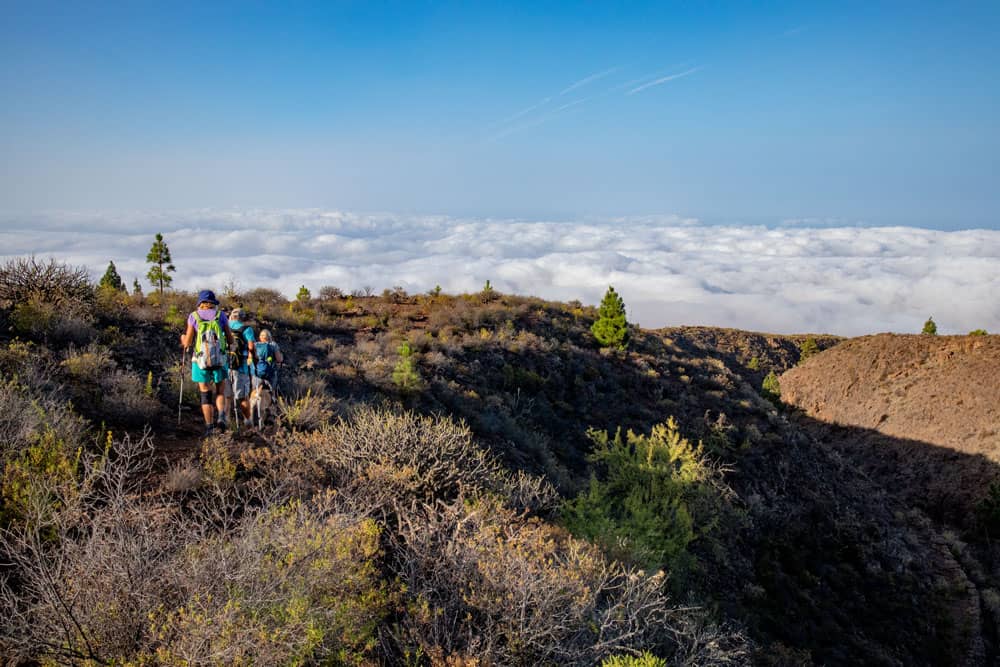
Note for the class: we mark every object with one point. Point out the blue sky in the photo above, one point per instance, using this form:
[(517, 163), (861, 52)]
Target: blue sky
[(834, 113)]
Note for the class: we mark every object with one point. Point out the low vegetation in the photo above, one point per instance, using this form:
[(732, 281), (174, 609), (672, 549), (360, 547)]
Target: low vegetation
[(472, 479)]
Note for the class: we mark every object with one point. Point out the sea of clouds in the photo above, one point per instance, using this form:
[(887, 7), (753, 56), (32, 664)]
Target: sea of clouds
[(669, 270)]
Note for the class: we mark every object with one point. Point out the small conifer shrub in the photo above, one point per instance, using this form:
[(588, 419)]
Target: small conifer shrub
[(111, 279), (930, 328), (405, 375), (611, 328)]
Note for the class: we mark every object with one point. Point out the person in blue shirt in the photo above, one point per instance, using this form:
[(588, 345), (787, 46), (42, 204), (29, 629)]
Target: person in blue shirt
[(241, 359)]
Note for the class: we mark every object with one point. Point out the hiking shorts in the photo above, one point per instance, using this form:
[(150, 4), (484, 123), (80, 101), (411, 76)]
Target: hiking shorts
[(208, 377), (240, 383)]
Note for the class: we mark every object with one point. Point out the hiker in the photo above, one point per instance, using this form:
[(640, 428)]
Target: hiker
[(208, 332), (241, 356), (268, 355)]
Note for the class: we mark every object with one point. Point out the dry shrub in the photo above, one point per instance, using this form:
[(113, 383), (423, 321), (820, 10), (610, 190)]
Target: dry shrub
[(30, 411), (433, 457), (25, 278), (112, 578), (308, 412), (38, 319), (291, 584), (483, 581), (183, 477), (99, 385), (86, 576), (527, 493)]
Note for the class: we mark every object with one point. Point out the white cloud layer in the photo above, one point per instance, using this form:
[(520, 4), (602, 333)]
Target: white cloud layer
[(669, 270)]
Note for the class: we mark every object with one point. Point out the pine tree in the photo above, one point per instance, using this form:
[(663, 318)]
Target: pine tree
[(611, 329), (136, 287), (929, 327), (304, 295), (111, 279), (159, 256), (405, 374)]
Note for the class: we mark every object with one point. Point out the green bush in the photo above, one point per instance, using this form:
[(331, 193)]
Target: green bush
[(771, 388), (807, 349), (295, 584), (655, 498), (642, 660), (611, 328), (405, 375), (930, 328), (978, 332)]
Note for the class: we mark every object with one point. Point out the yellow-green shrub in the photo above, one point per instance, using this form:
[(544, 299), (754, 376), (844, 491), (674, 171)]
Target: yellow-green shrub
[(217, 462), (39, 480), (652, 501), (296, 584), (642, 660)]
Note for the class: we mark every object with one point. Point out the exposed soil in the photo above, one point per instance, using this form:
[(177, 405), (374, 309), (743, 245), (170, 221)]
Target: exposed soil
[(942, 390)]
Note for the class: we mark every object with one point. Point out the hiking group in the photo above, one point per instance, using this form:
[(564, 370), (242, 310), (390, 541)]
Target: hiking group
[(231, 365)]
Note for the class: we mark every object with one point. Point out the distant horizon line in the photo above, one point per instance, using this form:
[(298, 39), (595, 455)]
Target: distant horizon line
[(770, 222)]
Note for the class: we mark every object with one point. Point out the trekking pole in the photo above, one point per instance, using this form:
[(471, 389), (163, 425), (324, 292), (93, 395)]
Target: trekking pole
[(236, 403), (180, 399)]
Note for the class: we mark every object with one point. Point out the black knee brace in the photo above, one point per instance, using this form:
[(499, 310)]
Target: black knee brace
[(206, 398)]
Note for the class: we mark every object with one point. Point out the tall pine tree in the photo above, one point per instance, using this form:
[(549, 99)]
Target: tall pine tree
[(159, 257), (111, 279), (611, 329)]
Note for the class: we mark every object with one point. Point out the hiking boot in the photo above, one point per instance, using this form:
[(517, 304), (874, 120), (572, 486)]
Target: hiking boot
[(209, 430), (221, 426)]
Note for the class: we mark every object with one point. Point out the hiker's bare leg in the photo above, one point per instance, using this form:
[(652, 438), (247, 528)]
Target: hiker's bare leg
[(220, 399), (245, 407), (207, 409)]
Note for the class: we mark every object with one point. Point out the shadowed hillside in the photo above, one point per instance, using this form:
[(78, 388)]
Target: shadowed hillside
[(919, 415)]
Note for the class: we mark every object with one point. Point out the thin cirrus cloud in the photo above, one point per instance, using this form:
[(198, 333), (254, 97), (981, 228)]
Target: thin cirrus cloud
[(670, 270), (589, 79), (664, 79), (542, 111), (541, 105)]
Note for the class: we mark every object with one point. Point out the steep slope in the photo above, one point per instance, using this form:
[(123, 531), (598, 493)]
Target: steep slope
[(943, 390), (919, 415)]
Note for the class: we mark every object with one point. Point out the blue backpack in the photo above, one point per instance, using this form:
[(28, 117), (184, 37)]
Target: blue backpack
[(265, 364)]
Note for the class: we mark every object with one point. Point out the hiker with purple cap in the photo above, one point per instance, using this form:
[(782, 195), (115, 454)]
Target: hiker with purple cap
[(208, 331)]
